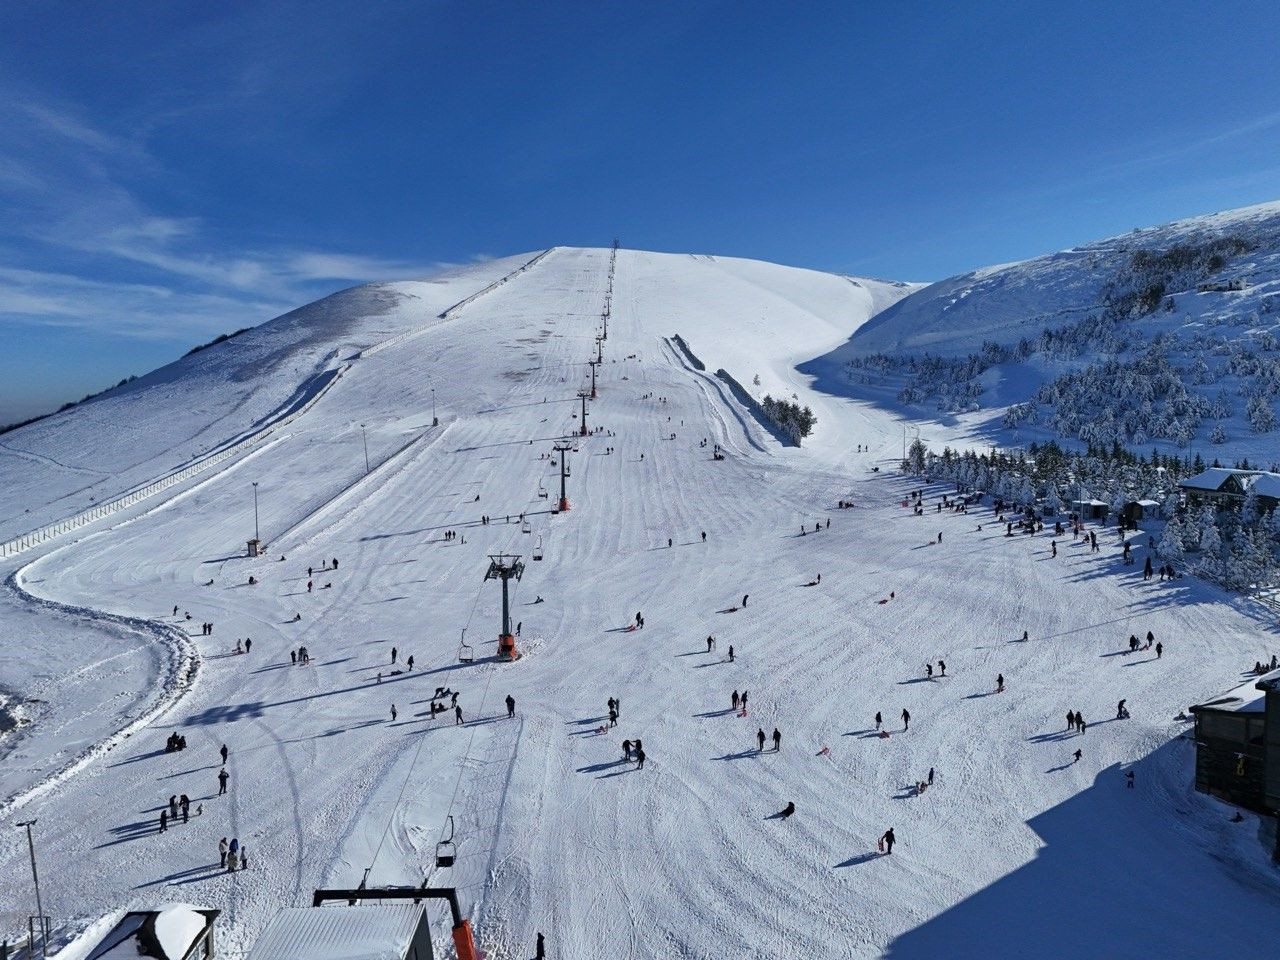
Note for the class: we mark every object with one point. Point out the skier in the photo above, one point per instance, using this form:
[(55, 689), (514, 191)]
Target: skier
[(511, 705), (777, 740), (760, 740), (886, 841), (906, 718), (457, 716), (223, 777)]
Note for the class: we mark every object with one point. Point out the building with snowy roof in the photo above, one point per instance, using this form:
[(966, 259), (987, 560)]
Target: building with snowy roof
[(392, 931), (1227, 487), (175, 931), (1237, 739)]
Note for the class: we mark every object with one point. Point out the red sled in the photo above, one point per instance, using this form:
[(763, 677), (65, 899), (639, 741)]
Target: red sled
[(630, 627), (884, 734), (880, 845)]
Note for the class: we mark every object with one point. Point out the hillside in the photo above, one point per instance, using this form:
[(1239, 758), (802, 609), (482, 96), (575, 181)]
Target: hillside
[(1165, 337), (341, 772)]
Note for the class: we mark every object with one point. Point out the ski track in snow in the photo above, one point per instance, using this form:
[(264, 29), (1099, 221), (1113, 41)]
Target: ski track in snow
[(554, 832)]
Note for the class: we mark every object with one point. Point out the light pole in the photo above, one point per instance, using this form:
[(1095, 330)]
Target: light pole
[(435, 421), (31, 845), (255, 511), (365, 438)]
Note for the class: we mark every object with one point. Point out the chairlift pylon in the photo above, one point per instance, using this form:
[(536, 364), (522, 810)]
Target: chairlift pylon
[(446, 850)]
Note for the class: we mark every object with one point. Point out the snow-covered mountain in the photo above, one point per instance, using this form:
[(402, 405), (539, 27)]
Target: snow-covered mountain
[(1166, 336), (800, 576)]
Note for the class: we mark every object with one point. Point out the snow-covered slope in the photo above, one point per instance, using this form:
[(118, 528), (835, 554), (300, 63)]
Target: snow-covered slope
[(1166, 336), (687, 857)]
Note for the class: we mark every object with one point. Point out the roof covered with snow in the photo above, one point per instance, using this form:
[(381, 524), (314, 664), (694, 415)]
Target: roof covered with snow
[(1248, 697), (1212, 478), (373, 932), (166, 933)]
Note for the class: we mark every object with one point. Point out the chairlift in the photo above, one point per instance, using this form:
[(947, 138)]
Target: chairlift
[(446, 850), (465, 653), (537, 549), (525, 528)]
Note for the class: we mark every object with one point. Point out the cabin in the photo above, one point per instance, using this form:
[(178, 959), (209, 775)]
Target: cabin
[(385, 931), (1237, 738), (175, 931), (1090, 509), (1226, 487), (1138, 510)]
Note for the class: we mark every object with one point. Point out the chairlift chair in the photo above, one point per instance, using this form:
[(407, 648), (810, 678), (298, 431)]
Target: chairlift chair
[(465, 653), (525, 528), (537, 549), (446, 850)]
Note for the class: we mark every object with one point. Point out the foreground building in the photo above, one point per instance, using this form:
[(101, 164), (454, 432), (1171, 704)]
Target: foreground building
[(1237, 739)]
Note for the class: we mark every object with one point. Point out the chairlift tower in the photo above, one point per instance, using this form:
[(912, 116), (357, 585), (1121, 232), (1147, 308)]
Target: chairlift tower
[(600, 349), (505, 567), (583, 395), (593, 364), (563, 449)]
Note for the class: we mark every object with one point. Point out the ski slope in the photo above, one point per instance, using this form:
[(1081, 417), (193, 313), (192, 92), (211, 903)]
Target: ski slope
[(1015, 851)]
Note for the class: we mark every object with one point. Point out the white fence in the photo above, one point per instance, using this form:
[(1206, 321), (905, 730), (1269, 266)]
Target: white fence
[(43, 534)]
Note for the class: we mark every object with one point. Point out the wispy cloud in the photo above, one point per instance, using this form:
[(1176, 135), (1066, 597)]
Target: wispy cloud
[(69, 189)]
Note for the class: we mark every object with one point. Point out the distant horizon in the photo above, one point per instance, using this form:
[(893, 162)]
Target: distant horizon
[(171, 177)]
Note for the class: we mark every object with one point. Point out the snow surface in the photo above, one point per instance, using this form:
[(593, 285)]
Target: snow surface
[(1015, 851)]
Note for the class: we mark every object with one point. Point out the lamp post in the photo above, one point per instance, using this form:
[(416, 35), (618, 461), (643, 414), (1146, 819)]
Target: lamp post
[(255, 511), (31, 846), (365, 438)]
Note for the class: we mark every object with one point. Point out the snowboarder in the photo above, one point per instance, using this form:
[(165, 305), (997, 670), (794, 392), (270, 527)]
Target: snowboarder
[(223, 777), (511, 706), (887, 841), (777, 740), (760, 740)]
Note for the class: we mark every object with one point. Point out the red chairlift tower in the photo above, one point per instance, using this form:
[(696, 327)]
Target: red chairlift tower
[(505, 567), (563, 449)]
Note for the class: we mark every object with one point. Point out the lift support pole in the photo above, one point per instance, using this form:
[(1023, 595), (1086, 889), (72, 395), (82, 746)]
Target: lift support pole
[(505, 567), (593, 364), (563, 450), (583, 395)]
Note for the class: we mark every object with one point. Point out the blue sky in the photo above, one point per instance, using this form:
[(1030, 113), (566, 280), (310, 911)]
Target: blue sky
[(171, 171)]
